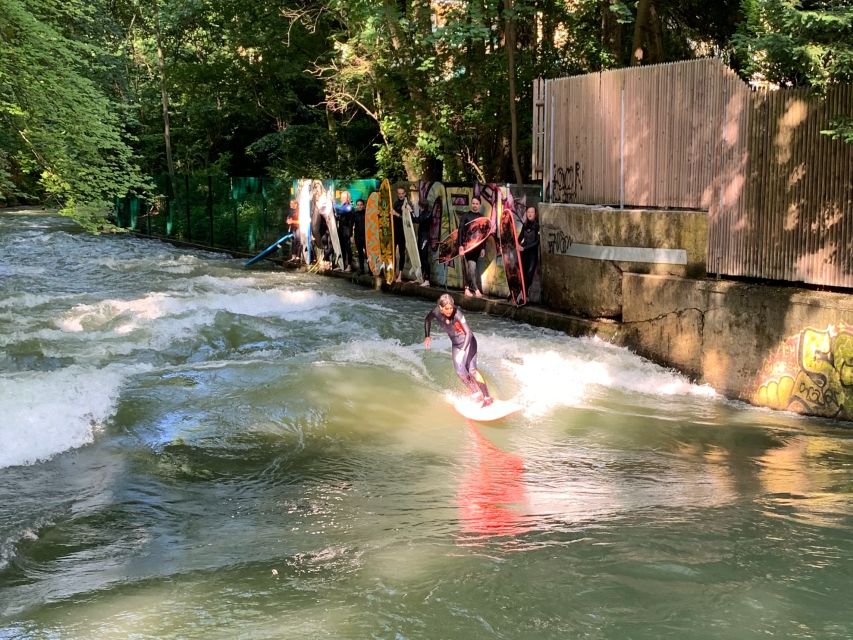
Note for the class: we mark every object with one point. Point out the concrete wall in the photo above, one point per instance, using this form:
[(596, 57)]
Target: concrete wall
[(585, 251), (781, 347), (784, 348)]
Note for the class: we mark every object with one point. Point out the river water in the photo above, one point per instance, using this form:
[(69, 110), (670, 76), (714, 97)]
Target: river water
[(190, 449)]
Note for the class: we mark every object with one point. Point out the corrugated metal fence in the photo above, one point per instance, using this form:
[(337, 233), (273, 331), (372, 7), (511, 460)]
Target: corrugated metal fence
[(693, 135)]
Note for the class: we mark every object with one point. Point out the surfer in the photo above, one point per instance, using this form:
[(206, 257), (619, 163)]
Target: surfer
[(469, 258), (464, 346)]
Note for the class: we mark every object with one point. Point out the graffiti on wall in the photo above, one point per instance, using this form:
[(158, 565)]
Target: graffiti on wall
[(557, 242), (811, 372), (567, 184)]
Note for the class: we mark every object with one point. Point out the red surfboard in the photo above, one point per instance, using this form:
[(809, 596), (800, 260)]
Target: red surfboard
[(478, 230), (511, 253)]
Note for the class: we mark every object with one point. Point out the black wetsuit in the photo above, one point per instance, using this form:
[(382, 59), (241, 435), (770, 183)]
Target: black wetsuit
[(470, 276), (399, 233), (344, 214), (424, 227), (528, 238), (464, 347), (358, 228)]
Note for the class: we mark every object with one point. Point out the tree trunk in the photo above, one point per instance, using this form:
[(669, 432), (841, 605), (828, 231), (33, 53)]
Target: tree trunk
[(509, 45), (611, 32), (639, 45), (164, 96)]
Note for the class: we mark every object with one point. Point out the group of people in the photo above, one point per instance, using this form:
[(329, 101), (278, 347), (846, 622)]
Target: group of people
[(350, 224)]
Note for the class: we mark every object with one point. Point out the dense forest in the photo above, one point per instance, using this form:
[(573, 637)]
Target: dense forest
[(99, 96)]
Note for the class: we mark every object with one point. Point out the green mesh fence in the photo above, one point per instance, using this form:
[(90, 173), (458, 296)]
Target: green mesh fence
[(241, 214)]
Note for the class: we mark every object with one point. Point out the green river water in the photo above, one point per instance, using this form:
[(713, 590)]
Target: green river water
[(190, 449)]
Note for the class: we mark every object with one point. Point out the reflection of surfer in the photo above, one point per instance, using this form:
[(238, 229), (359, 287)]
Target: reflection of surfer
[(464, 346), (492, 496)]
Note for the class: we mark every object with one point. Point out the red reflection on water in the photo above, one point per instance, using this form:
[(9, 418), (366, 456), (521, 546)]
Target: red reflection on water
[(492, 493)]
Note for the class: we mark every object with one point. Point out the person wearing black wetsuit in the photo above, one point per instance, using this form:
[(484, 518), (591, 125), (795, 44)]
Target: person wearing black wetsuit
[(470, 276), (397, 214), (344, 215), (424, 228), (528, 239), (464, 346), (358, 221)]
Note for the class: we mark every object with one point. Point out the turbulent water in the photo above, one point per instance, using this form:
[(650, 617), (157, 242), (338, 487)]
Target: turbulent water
[(190, 449)]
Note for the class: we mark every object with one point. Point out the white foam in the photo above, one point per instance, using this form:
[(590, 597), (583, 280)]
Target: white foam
[(46, 413), (565, 376)]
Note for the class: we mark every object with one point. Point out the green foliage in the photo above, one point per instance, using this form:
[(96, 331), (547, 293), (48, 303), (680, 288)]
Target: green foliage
[(59, 127), (792, 43)]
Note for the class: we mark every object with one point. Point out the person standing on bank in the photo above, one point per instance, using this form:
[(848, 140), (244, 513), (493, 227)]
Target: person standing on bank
[(528, 239), (470, 274), (399, 237), (344, 215), (358, 228), (293, 228), (464, 344), (424, 226)]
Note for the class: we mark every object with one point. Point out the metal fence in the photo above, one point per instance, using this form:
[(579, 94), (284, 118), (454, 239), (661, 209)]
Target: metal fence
[(693, 135)]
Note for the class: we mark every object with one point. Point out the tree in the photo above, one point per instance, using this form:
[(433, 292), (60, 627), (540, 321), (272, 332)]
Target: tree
[(794, 43), (61, 132)]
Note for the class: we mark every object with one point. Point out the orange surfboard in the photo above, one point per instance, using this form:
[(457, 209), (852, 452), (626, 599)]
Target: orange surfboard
[(386, 231)]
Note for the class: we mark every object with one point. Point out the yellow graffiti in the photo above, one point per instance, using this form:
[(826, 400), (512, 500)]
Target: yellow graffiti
[(819, 381)]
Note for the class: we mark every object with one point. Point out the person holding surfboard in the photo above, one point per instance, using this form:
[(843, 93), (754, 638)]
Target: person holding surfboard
[(469, 259), (344, 215), (528, 240), (358, 228), (398, 208), (464, 345)]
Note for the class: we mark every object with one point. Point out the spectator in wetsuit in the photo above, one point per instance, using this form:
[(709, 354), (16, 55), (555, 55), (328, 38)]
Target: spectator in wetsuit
[(424, 226), (399, 238), (293, 228), (358, 228), (464, 346), (528, 239), (470, 274), (344, 215)]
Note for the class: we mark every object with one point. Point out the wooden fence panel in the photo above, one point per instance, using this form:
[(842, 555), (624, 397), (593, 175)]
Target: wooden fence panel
[(692, 135)]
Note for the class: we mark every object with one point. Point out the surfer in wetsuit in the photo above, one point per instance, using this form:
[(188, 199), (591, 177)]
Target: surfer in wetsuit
[(464, 346)]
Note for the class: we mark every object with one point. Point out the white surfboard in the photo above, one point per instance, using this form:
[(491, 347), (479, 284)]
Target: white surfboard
[(415, 271), (467, 408), (305, 219)]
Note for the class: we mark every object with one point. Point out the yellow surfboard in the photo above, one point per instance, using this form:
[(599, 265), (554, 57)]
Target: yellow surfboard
[(371, 234)]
